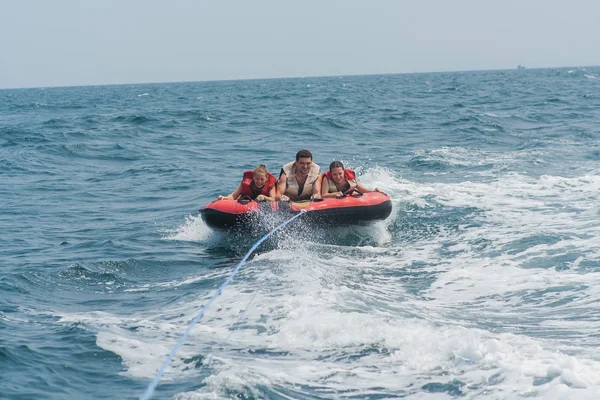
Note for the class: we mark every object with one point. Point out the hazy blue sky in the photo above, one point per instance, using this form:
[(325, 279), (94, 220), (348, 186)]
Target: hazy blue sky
[(87, 42)]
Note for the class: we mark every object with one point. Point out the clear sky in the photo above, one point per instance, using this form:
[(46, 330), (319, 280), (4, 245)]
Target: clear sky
[(92, 42)]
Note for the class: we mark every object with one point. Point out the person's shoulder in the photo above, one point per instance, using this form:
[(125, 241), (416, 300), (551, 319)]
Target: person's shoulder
[(288, 166), (282, 173)]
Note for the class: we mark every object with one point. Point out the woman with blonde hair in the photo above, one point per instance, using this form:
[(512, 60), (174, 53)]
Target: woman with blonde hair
[(257, 184)]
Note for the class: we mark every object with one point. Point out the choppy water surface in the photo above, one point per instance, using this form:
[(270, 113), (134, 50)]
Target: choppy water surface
[(483, 283)]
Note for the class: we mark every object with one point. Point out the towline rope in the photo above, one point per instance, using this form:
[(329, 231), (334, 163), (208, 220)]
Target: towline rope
[(150, 390)]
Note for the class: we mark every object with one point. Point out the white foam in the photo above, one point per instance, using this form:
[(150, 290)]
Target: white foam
[(194, 229), (307, 309), (460, 156), (176, 283)]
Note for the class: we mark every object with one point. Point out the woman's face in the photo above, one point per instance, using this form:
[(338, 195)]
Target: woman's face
[(260, 179), (337, 174)]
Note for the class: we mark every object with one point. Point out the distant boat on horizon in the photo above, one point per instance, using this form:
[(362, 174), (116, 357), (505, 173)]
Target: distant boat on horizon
[(520, 66)]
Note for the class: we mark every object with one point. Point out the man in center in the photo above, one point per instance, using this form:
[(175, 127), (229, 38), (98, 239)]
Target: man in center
[(297, 178)]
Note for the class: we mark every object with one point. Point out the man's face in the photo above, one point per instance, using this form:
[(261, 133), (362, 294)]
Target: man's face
[(303, 165)]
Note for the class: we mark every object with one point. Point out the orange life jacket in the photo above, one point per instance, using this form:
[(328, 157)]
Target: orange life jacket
[(248, 178)]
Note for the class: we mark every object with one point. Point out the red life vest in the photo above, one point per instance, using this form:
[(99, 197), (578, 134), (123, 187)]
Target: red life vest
[(248, 178), (348, 174)]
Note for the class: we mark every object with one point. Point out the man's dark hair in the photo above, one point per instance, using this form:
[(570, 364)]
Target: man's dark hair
[(303, 154)]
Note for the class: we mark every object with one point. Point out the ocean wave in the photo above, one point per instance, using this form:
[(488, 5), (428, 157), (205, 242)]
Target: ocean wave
[(135, 119)]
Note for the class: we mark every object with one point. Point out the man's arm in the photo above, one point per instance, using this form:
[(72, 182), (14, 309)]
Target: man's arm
[(317, 189), (281, 184)]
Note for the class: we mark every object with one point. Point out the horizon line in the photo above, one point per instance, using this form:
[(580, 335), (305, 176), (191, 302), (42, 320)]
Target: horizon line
[(518, 67)]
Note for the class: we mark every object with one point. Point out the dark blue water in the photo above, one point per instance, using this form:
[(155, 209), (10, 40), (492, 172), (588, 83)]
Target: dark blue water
[(483, 283)]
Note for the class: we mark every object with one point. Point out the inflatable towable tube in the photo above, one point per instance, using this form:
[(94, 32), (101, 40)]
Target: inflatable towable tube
[(359, 208)]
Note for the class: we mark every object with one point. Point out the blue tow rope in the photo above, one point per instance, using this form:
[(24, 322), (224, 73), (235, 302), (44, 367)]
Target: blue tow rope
[(150, 390)]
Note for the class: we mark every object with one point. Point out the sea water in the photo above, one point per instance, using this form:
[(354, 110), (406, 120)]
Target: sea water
[(483, 283)]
